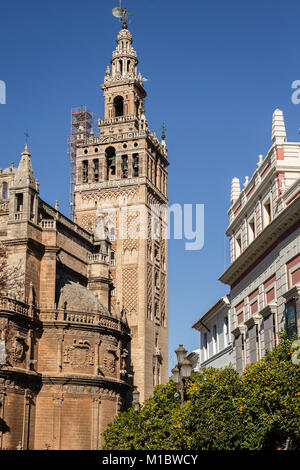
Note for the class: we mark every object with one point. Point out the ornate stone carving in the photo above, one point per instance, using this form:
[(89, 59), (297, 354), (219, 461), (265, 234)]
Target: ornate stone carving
[(18, 349), (79, 354)]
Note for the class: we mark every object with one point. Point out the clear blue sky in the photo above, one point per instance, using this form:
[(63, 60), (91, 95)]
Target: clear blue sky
[(217, 70)]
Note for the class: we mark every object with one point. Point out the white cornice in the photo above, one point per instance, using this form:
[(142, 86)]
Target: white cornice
[(264, 240)]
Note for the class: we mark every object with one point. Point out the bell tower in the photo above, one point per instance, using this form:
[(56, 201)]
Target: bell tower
[(124, 170)]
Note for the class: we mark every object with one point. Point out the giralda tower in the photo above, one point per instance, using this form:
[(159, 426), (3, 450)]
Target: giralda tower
[(126, 164)]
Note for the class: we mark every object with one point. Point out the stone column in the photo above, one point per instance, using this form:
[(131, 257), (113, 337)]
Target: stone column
[(95, 434), (57, 405), (26, 419)]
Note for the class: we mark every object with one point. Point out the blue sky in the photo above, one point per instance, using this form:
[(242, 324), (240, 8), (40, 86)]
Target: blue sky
[(217, 70)]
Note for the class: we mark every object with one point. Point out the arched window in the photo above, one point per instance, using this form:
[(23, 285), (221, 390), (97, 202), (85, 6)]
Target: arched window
[(4, 190), (118, 106), (110, 154)]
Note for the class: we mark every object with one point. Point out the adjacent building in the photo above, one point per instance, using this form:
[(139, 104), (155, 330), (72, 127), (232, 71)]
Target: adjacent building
[(264, 233), (214, 326)]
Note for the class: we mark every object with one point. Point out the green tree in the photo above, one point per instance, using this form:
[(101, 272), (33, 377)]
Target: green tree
[(223, 410)]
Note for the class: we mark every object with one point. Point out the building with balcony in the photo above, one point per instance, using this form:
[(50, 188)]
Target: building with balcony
[(264, 234)]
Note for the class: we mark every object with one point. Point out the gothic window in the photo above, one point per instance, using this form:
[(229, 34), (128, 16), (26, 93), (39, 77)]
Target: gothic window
[(118, 106), (85, 171), (110, 154), (4, 190)]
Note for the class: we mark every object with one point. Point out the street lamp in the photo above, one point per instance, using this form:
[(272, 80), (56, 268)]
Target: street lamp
[(181, 372), (136, 400)]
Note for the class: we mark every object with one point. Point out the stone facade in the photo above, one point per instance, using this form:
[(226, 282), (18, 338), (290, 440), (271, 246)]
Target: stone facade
[(125, 172), (264, 233), (87, 318)]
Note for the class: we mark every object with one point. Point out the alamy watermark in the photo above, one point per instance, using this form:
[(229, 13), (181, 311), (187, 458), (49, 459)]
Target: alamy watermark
[(2, 92), (157, 222), (296, 94)]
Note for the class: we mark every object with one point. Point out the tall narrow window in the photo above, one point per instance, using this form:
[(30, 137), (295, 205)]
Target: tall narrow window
[(19, 202), (244, 361), (118, 106), (214, 339), (291, 318), (96, 170), (267, 216), (274, 329), (205, 346), (110, 154), (135, 164), (112, 258), (85, 171), (4, 190), (226, 331), (257, 342), (238, 245), (31, 207), (124, 166), (251, 231)]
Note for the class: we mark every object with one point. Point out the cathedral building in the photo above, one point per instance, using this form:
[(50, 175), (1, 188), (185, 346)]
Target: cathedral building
[(264, 233), (83, 318)]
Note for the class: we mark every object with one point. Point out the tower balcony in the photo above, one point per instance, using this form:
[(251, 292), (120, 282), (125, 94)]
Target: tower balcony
[(117, 120)]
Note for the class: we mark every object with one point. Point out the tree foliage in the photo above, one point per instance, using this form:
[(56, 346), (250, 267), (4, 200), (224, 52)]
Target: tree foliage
[(222, 411)]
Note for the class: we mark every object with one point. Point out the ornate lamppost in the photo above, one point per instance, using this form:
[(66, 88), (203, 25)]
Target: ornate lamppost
[(181, 372)]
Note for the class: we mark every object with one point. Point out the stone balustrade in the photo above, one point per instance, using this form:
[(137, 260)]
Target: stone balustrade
[(15, 306), (84, 318)]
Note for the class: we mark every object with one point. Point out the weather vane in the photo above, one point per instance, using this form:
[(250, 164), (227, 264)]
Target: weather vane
[(26, 136), (163, 131), (122, 14)]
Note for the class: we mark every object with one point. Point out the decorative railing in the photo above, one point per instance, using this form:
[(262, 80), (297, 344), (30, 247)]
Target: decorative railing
[(48, 224), (117, 119), (84, 318), (15, 306), (99, 257)]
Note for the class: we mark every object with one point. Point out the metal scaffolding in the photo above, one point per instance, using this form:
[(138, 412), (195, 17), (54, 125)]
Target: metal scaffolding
[(81, 130)]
